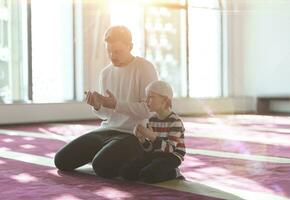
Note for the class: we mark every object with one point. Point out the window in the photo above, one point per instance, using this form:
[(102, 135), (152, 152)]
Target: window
[(204, 30), (166, 43), (182, 38), (3, 50), (38, 57), (36, 51), (52, 50), (12, 52), (130, 15)]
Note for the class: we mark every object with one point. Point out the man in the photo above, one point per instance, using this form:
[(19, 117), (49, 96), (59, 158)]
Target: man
[(120, 103)]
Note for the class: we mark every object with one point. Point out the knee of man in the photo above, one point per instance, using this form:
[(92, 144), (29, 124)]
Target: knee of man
[(60, 163), (128, 173), (102, 170), (147, 175), (135, 147)]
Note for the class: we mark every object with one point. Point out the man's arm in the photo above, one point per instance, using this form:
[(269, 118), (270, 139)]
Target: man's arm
[(92, 98), (100, 111), (139, 110)]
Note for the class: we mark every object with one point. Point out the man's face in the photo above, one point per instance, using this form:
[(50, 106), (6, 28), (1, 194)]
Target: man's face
[(118, 52)]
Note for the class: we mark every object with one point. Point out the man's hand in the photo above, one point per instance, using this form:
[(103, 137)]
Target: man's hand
[(93, 100), (97, 100), (146, 132), (108, 101)]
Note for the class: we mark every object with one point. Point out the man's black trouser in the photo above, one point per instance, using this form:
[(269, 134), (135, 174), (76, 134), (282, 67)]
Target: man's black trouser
[(152, 167), (106, 149)]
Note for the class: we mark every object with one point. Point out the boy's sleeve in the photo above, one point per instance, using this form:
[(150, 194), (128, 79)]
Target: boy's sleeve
[(173, 141), (147, 145)]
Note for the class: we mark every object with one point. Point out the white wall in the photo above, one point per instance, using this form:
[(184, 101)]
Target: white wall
[(27, 113), (213, 106), (259, 47)]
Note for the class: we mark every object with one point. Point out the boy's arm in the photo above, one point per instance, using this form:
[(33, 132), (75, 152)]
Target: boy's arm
[(174, 141), (146, 143), (147, 133)]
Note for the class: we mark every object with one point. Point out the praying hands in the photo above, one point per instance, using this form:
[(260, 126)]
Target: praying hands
[(97, 100), (141, 133)]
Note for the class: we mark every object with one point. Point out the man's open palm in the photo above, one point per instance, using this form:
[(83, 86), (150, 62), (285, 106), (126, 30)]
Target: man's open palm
[(96, 100)]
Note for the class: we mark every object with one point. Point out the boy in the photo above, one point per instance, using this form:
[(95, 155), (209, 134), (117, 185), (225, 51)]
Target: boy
[(162, 140)]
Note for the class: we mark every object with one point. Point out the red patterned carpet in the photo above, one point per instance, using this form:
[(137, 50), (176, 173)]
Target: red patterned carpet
[(229, 157)]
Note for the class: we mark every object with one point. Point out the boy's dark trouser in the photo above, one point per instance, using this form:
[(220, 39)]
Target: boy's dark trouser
[(106, 149), (151, 168)]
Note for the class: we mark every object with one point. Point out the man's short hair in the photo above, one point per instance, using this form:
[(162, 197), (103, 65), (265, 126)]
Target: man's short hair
[(118, 33)]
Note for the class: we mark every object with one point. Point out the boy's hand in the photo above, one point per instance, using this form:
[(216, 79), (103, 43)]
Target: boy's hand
[(140, 137), (146, 132)]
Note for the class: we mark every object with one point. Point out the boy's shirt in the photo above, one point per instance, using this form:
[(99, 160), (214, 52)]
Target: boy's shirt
[(170, 136)]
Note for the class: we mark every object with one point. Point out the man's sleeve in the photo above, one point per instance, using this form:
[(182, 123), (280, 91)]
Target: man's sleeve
[(139, 110), (102, 113)]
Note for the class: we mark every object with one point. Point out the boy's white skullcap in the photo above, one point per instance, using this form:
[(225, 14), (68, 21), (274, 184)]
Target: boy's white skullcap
[(161, 88)]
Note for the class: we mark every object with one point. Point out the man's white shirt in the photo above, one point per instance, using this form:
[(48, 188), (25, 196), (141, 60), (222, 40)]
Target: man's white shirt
[(127, 83)]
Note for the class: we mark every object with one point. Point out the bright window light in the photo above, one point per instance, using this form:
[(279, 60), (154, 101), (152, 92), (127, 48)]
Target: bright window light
[(129, 14), (52, 50)]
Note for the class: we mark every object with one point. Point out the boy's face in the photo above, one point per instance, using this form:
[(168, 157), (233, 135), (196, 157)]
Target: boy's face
[(118, 52), (155, 102)]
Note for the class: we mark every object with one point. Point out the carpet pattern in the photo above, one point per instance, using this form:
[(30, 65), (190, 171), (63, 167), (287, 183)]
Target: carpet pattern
[(228, 157)]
